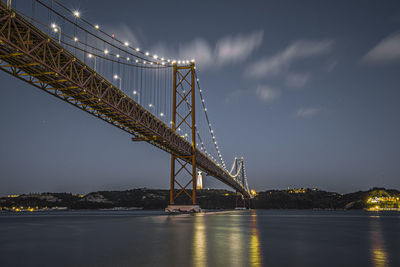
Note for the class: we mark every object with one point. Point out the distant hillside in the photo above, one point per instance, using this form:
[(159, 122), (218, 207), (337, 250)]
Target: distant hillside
[(135, 198), (374, 199), (377, 198)]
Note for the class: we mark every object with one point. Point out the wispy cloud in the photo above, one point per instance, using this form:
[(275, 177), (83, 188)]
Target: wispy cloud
[(198, 49), (237, 48), (234, 95), (281, 61), (297, 80), (229, 49), (387, 50), (330, 65), (266, 93), (307, 112)]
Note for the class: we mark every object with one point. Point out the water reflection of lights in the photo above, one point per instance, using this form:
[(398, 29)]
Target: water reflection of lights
[(226, 239), (255, 253), (199, 242), (235, 233), (378, 252)]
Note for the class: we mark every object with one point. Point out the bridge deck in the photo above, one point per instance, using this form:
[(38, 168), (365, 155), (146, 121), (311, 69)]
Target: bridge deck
[(31, 55)]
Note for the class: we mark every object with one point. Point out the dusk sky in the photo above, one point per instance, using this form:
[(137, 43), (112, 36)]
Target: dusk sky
[(306, 91)]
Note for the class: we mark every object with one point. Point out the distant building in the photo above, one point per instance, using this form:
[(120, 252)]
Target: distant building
[(297, 190), (199, 180)]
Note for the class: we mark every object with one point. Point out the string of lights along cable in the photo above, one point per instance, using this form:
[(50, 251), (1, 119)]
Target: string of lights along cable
[(142, 76)]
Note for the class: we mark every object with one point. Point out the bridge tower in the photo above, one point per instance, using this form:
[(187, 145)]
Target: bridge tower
[(183, 115)]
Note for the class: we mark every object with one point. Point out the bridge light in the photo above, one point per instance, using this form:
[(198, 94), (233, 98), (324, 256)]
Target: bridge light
[(162, 114), (116, 76), (144, 61), (117, 55), (75, 39), (134, 92), (126, 44), (106, 51), (137, 49), (155, 56), (150, 105), (53, 25), (137, 60), (128, 59), (77, 14), (147, 53), (96, 27), (90, 55)]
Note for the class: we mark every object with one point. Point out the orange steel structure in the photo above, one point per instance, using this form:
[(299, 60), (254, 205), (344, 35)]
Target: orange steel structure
[(31, 55), (183, 112)]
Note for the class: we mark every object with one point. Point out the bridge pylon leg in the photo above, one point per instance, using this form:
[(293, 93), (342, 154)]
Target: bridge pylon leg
[(183, 116)]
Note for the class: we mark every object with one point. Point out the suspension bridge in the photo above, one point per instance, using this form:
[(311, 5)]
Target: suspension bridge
[(153, 98)]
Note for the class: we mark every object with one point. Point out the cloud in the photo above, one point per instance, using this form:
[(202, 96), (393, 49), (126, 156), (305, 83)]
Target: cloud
[(229, 49), (238, 48), (307, 112), (281, 61), (197, 49), (330, 65), (266, 93), (297, 80), (386, 51), (234, 95)]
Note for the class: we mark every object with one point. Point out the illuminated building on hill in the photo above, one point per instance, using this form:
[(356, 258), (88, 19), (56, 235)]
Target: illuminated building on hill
[(382, 200)]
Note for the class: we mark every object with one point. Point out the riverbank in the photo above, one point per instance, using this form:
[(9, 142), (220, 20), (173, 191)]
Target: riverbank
[(150, 199)]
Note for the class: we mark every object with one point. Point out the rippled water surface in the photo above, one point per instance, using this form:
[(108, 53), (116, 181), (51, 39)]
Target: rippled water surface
[(231, 238)]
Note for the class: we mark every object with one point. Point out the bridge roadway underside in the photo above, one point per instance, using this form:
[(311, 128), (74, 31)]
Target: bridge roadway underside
[(34, 57)]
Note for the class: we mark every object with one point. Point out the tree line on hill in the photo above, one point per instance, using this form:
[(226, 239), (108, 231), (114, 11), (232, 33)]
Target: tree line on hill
[(207, 199)]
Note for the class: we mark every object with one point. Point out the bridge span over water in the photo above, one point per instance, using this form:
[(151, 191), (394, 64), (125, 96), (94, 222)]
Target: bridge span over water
[(155, 99)]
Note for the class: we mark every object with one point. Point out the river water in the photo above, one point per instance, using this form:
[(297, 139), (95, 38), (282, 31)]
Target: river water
[(230, 238)]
